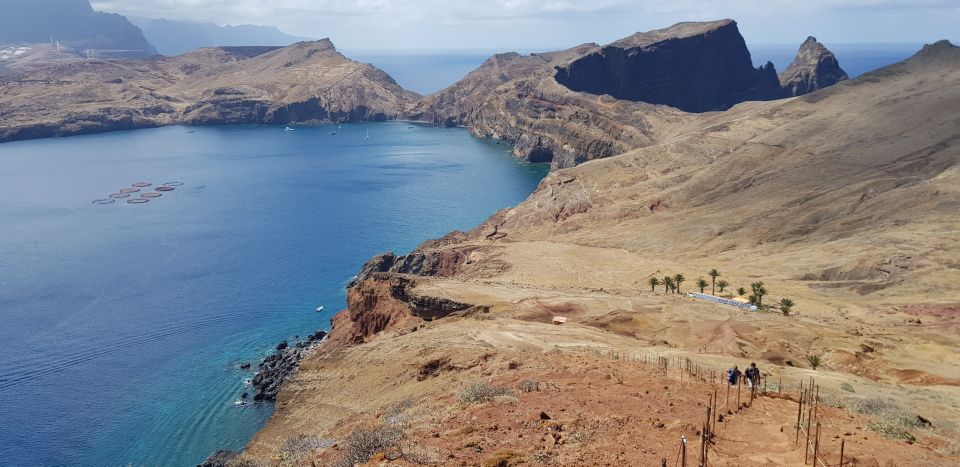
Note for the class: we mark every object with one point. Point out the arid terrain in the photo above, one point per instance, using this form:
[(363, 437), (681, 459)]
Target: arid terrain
[(844, 200)]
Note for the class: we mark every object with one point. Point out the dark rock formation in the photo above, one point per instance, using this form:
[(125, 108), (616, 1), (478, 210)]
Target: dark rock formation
[(695, 67), (74, 23), (277, 367), (814, 68), (220, 459), (434, 263)]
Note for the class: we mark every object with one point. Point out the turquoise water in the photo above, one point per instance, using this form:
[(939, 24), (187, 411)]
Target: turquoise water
[(124, 325)]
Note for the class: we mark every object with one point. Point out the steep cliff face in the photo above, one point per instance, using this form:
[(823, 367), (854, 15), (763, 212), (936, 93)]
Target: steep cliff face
[(695, 67), (815, 67), (591, 102)]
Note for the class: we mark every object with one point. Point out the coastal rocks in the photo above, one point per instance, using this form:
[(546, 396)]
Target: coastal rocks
[(385, 302), (815, 67), (696, 67), (220, 459), (277, 367), (442, 263)]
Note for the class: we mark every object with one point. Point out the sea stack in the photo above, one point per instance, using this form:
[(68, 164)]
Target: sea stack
[(815, 67)]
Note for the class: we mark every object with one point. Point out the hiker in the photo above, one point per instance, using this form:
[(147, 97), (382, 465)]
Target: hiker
[(733, 375), (752, 376)]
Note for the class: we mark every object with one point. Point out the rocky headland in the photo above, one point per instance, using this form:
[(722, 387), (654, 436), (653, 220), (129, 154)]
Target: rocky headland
[(591, 101), (45, 94), (843, 200)]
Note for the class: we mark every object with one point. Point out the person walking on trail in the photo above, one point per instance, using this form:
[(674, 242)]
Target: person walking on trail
[(733, 375), (752, 376)]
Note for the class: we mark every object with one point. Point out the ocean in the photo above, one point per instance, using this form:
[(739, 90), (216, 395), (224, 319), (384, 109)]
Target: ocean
[(124, 325)]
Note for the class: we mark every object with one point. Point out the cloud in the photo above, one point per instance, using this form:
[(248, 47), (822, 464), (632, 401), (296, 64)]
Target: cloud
[(532, 24)]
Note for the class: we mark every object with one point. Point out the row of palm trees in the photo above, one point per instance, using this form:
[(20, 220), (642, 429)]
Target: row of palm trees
[(757, 289)]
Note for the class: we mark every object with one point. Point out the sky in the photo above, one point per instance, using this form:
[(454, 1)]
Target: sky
[(532, 25)]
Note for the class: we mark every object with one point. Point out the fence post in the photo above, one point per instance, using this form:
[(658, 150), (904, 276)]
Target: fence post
[(780, 385), (739, 383), (842, 442), (806, 444), (799, 419), (683, 451), (816, 446)]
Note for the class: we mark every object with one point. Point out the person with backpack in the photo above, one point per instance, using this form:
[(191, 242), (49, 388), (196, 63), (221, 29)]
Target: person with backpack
[(733, 375), (752, 376)]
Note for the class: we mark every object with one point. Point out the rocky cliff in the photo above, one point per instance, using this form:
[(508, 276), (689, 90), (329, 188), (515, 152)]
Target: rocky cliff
[(814, 68), (304, 82), (591, 102), (694, 67)]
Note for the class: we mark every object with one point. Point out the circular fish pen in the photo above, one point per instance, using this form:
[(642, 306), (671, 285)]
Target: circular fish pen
[(104, 201), (173, 184), (141, 184), (129, 190), (165, 188), (152, 194), (119, 195), (138, 200)]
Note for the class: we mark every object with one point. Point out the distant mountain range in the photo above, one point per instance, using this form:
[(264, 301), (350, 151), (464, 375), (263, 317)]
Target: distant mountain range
[(172, 37), (73, 23)]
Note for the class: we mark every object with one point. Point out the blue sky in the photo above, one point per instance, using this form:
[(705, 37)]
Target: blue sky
[(530, 25)]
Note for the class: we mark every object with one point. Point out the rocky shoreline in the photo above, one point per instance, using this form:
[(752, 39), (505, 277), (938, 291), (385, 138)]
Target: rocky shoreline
[(272, 372)]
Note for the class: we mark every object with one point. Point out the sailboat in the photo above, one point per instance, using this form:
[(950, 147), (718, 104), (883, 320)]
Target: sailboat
[(368, 135), (334, 131), (288, 129)]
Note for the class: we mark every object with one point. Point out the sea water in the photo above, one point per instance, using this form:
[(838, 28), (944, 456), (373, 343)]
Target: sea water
[(123, 326)]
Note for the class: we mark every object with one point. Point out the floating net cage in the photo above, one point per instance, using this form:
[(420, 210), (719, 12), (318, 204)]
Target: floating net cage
[(119, 195), (104, 201), (173, 184), (141, 184), (138, 200), (129, 190), (165, 188), (152, 194)]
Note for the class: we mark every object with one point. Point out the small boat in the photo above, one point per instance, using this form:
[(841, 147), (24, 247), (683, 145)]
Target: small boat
[(368, 135), (319, 308), (333, 131), (288, 129), (191, 131)]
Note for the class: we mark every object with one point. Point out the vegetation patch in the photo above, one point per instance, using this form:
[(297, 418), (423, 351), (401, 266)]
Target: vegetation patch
[(367, 441), (481, 392)]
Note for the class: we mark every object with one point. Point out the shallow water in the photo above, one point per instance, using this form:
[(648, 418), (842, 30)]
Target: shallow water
[(124, 325)]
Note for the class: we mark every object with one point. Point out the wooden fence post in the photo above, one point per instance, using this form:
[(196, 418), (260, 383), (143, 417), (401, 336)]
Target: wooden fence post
[(799, 419), (816, 446), (842, 442)]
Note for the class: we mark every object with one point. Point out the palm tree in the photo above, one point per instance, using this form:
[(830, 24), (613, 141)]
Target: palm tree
[(741, 291), (667, 283), (702, 284), (722, 284), (654, 282), (714, 274), (679, 280), (785, 306), (759, 291), (814, 361)]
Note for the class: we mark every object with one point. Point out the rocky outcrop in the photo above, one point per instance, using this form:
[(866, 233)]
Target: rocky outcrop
[(814, 68), (383, 302), (274, 370), (695, 67), (442, 263), (591, 102)]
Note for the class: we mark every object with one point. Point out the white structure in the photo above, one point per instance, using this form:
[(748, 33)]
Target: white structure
[(722, 301)]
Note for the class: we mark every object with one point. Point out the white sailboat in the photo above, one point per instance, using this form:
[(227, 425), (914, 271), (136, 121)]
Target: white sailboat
[(288, 129), (368, 135)]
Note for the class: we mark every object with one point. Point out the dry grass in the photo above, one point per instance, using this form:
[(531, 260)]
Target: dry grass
[(481, 392)]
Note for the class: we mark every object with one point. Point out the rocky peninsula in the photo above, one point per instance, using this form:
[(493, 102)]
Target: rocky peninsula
[(830, 199)]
